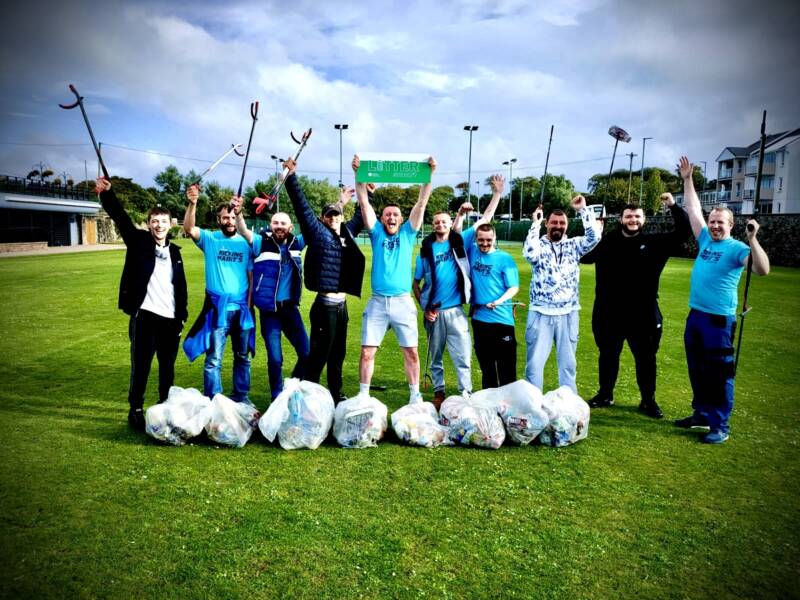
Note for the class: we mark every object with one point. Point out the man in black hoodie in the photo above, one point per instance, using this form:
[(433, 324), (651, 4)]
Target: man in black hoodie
[(628, 266), (152, 291)]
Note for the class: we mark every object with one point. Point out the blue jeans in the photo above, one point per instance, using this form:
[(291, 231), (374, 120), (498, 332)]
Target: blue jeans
[(212, 372), (709, 356), (286, 319)]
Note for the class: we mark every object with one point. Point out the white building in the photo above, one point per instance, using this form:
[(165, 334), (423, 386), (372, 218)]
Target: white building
[(737, 169)]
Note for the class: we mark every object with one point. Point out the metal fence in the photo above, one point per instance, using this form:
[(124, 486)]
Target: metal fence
[(32, 187)]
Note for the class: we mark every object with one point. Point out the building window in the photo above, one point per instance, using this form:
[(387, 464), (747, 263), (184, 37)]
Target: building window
[(767, 183), (780, 184), (738, 166), (783, 157), (769, 158), (765, 208)]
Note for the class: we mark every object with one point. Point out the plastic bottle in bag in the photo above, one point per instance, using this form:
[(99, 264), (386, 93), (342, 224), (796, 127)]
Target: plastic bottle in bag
[(231, 423), (182, 416), (359, 422), (569, 417), (300, 417), (417, 424)]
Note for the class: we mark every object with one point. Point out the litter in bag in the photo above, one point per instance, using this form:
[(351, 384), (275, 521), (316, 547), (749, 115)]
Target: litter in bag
[(569, 417), (520, 406), (417, 424), (359, 422), (472, 422), (182, 416), (300, 416), (231, 423)]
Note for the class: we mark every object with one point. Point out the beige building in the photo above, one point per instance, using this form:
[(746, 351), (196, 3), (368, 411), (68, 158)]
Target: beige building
[(737, 168)]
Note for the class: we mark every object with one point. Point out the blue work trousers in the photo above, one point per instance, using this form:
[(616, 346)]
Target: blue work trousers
[(287, 320)]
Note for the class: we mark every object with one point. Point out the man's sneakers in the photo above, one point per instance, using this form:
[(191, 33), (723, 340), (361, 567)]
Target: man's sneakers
[(136, 419), (601, 401), (651, 409), (692, 422), (438, 398), (716, 437), (415, 398)]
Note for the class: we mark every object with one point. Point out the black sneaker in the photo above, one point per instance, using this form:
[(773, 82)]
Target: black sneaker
[(651, 409), (136, 419), (692, 422), (601, 401)]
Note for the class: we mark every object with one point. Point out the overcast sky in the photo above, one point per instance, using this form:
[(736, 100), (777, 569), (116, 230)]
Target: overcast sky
[(176, 78)]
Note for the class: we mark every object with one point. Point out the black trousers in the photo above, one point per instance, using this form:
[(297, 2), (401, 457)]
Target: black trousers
[(328, 343), (643, 334), (496, 349), (150, 335)]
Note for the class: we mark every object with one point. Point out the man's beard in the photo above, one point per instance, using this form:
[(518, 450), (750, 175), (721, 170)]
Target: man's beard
[(631, 232), (227, 233), (556, 235)]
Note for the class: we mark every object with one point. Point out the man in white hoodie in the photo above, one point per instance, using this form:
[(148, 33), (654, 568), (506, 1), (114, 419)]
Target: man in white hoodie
[(554, 306)]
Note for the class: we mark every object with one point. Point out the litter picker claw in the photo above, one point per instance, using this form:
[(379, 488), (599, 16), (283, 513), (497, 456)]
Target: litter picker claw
[(254, 116), (79, 102), (267, 201)]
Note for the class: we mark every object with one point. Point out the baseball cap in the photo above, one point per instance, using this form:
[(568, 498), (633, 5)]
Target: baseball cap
[(331, 209)]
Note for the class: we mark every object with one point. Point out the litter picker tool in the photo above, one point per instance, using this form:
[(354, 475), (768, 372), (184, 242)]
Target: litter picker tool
[(619, 135), (254, 115), (233, 148), (79, 102), (268, 200), (745, 308), (544, 177)]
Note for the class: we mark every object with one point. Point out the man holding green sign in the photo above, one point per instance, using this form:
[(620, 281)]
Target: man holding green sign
[(386, 167), (391, 304)]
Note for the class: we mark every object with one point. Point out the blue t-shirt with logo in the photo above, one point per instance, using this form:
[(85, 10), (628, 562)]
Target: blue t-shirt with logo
[(446, 294), (391, 259), (492, 274), (227, 261), (285, 284), (716, 273)]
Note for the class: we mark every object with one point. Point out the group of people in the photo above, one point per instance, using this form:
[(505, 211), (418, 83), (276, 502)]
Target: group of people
[(455, 267)]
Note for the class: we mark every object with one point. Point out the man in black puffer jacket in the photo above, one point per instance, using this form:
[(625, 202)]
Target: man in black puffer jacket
[(152, 291), (334, 267)]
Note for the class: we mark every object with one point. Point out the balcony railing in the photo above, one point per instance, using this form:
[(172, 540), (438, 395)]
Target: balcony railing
[(20, 185), (724, 196), (725, 174)]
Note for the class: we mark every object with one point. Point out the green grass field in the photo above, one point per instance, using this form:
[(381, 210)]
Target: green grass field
[(640, 509)]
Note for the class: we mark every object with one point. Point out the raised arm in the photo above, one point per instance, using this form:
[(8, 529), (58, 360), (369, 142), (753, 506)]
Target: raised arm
[(497, 182), (114, 209), (192, 194), (367, 212), (760, 258), (463, 210), (691, 201), (241, 224), (418, 212), (682, 226), (591, 235), (310, 225), (530, 249)]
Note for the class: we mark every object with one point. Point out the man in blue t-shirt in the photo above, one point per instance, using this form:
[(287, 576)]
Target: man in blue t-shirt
[(442, 283), (277, 288), (495, 282), (391, 304), (228, 267), (712, 317)]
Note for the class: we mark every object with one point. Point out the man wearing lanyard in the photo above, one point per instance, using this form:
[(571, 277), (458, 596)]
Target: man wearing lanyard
[(554, 306), (228, 267)]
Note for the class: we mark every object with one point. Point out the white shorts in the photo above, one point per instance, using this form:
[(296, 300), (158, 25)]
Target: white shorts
[(383, 312)]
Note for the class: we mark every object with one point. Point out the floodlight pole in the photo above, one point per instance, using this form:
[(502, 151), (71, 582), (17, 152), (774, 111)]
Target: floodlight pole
[(641, 174), (341, 127), (705, 181), (470, 128), (510, 162)]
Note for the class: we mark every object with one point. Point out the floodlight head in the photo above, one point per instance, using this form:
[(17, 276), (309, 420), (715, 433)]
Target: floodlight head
[(619, 134), (470, 128), (273, 157)]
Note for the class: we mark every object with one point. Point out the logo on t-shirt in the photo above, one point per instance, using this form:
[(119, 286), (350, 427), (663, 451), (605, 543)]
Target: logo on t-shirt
[(443, 257), (482, 269), (391, 243), (228, 256), (709, 255)]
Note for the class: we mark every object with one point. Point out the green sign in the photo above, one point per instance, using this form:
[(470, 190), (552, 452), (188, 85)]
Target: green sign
[(385, 167)]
